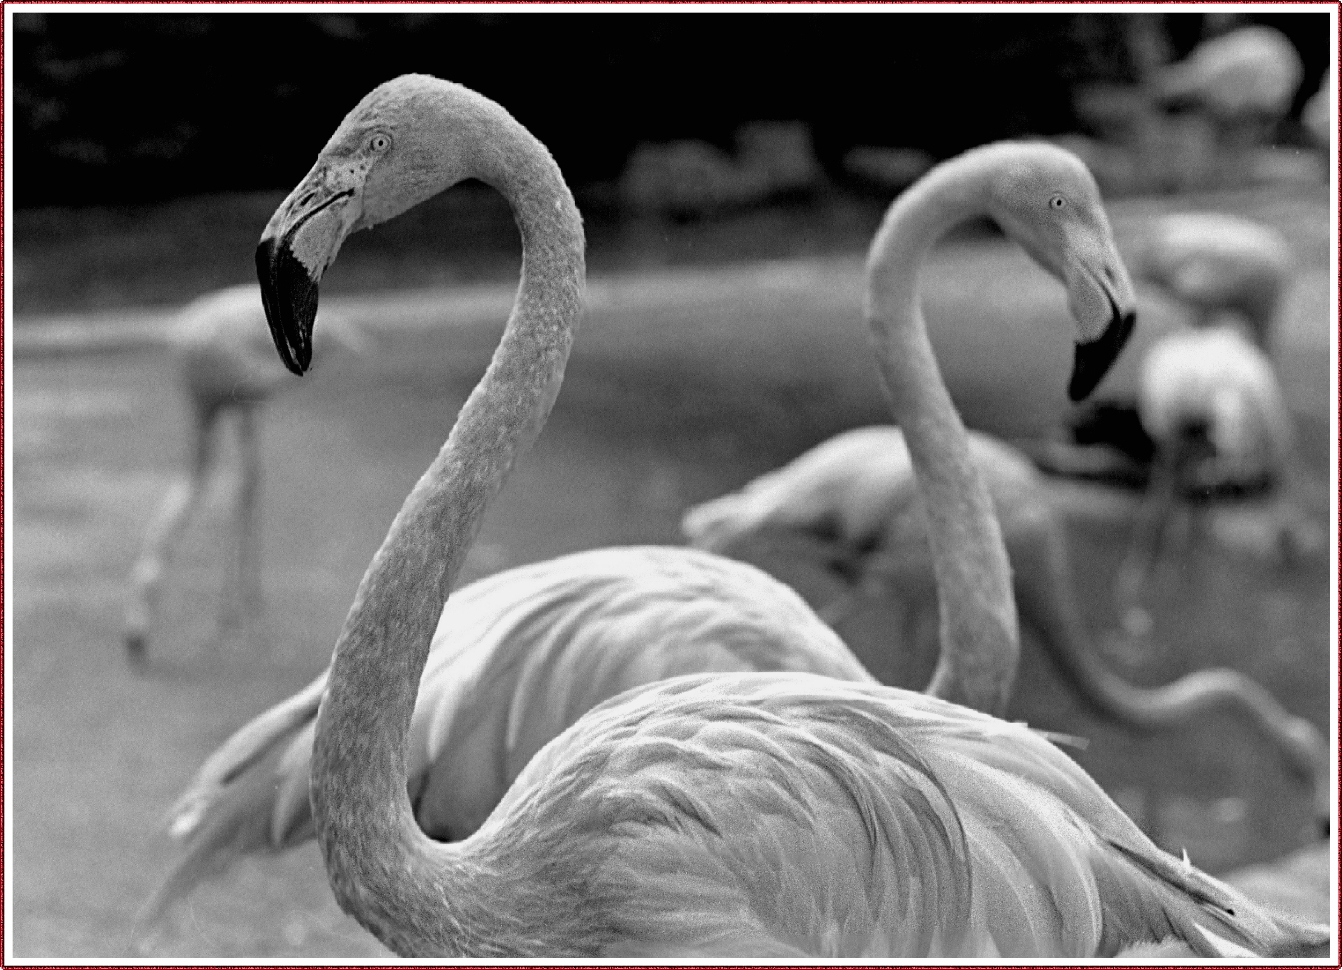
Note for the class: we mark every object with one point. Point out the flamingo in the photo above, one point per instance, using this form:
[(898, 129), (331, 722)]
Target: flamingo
[(220, 346), (1244, 80), (1298, 882), (1216, 263), (1318, 116), (746, 814), (1212, 405), (852, 506)]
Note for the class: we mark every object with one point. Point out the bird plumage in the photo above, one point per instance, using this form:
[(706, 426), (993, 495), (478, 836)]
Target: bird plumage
[(728, 814), (1219, 384), (1249, 72), (1215, 411), (516, 659), (1215, 263)]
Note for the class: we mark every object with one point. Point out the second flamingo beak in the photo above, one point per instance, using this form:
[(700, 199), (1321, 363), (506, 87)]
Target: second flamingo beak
[(1095, 357)]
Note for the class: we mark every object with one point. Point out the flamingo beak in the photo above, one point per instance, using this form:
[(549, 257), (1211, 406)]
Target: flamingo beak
[(300, 241), (290, 297), (1095, 357)]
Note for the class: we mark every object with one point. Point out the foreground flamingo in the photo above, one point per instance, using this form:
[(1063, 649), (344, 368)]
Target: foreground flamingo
[(727, 814)]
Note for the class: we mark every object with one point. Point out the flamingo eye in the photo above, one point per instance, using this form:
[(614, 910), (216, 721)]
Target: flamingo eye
[(379, 142), (1057, 202)]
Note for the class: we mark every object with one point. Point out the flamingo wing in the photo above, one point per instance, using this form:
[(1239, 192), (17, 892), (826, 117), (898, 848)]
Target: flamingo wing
[(850, 819), (516, 659)]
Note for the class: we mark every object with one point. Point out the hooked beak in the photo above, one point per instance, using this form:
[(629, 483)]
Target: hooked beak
[(1095, 357), (300, 241), (1098, 290)]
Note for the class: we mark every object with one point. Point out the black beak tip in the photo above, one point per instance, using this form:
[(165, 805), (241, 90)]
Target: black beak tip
[(1093, 359), (289, 295)]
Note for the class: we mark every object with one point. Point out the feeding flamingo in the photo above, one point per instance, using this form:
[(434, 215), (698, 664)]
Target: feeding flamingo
[(223, 353)]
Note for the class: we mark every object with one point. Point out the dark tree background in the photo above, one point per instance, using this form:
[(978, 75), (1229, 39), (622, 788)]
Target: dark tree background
[(117, 107)]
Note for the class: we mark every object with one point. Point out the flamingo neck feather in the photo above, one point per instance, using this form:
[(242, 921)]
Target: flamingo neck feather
[(979, 638), (416, 895)]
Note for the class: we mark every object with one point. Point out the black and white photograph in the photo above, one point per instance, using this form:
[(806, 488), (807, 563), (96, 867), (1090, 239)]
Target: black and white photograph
[(662, 482)]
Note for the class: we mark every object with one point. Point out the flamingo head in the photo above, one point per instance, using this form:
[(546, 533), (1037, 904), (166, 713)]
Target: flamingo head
[(1046, 200), (407, 140)]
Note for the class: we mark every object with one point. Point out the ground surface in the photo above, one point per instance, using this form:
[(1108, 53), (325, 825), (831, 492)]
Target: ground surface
[(100, 752)]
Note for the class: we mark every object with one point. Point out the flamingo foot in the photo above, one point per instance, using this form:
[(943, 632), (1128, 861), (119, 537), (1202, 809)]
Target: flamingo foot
[(1137, 622), (136, 643)]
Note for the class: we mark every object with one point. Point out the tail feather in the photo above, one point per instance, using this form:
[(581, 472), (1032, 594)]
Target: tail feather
[(250, 797), (715, 523), (253, 741), (1211, 918)]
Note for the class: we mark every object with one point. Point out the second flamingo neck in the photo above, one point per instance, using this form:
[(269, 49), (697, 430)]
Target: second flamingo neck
[(979, 639)]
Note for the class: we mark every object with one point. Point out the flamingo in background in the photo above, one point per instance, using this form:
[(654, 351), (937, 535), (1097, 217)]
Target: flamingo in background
[(852, 506), (223, 354), (1243, 82), (1298, 883), (1214, 409), (1318, 115), (739, 814), (1215, 263)]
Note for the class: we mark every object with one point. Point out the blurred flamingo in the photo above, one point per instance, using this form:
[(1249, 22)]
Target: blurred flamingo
[(1214, 409), (225, 359), (1243, 82), (1319, 116), (1217, 264), (1299, 883)]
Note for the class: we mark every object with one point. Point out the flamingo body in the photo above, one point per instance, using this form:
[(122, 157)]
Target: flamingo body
[(1218, 384), (516, 659), (1216, 263), (726, 815), (1251, 72), (1318, 115), (858, 488)]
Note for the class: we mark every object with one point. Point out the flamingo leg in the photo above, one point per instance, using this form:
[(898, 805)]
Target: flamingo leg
[(1148, 539), (164, 531), (242, 593)]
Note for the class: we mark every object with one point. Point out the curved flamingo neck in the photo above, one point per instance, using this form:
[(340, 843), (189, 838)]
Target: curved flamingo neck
[(979, 638), (384, 870)]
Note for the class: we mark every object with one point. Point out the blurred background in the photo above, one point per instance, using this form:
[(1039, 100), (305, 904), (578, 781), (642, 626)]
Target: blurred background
[(731, 168)]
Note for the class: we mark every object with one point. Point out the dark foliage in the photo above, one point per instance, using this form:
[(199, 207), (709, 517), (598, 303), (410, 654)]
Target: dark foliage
[(128, 106)]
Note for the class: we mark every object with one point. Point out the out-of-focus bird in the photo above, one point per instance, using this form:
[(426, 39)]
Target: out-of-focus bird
[(852, 504), (1299, 883), (1319, 114), (1211, 399), (703, 816), (1213, 407), (1215, 263), (225, 358), (1244, 80)]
